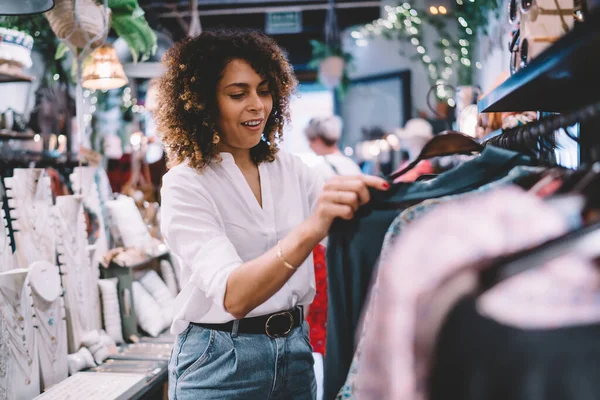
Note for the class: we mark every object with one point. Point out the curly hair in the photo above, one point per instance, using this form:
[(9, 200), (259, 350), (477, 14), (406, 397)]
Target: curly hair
[(187, 108)]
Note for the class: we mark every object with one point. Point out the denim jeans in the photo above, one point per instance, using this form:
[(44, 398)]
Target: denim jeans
[(208, 364)]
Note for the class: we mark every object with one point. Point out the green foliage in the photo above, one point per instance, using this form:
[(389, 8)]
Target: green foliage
[(128, 22), (61, 51), (38, 27)]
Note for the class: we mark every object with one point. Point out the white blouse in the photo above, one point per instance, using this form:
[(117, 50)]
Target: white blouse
[(213, 224)]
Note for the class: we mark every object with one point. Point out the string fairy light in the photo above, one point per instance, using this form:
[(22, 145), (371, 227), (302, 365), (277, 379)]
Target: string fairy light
[(456, 55)]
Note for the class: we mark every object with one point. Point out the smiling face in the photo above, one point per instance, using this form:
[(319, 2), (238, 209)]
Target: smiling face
[(245, 103)]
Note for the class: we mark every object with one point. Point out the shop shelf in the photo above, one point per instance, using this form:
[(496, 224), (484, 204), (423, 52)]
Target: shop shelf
[(565, 76), (10, 135)]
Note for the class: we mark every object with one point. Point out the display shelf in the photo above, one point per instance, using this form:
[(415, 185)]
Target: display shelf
[(564, 77), (96, 386), (10, 135), (144, 351)]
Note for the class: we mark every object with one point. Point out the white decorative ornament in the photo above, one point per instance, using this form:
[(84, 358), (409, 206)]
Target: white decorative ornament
[(51, 332), (7, 260), (110, 308), (29, 194), (85, 181), (160, 292), (45, 280), (128, 227), (16, 47), (82, 359), (19, 364), (74, 262), (96, 345)]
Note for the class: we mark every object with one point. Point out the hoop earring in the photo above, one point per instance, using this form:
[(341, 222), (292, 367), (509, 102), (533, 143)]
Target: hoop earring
[(216, 138)]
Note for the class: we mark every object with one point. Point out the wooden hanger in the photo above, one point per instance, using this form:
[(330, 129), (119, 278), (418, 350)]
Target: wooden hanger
[(446, 143)]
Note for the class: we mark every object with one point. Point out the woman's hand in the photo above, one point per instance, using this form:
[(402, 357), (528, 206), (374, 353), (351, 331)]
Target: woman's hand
[(341, 197), (255, 281)]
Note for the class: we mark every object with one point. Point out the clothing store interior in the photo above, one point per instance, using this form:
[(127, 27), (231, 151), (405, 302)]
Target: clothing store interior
[(474, 276)]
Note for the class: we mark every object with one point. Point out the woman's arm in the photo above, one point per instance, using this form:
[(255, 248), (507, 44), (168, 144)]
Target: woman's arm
[(255, 281)]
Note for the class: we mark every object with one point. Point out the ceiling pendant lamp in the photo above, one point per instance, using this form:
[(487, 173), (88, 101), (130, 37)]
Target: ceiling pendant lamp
[(104, 71)]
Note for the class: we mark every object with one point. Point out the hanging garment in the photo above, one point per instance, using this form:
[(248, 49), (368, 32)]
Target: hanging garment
[(317, 315), (354, 247), (417, 211), (477, 358), (417, 287), (400, 223)]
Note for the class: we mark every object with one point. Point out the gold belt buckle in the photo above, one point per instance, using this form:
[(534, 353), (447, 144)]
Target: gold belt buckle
[(284, 334)]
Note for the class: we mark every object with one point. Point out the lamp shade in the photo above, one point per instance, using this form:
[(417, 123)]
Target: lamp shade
[(25, 7), (104, 71)]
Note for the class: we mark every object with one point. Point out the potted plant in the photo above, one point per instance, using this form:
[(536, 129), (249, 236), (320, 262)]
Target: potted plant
[(333, 65), (126, 18)]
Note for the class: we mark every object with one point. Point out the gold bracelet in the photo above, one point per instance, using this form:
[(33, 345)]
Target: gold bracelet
[(283, 260)]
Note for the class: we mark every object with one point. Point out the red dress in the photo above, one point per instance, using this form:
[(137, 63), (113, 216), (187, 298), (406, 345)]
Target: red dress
[(317, 314)]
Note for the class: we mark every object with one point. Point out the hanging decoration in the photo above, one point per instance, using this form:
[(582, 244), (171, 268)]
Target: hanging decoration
[(126, 19), (77, 21), (129, 23), (45, 44), (329, 57), (15, 55), (450, 59), (104, 71)]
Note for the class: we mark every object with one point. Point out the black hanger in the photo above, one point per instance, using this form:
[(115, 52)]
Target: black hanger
[(538, 138), (446, 143), (534, 141)]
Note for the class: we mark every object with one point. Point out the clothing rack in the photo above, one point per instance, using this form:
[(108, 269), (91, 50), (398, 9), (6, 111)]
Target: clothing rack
[(562, 79), (539, 137)]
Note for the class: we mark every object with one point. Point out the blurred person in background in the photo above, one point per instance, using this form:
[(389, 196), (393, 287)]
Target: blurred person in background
[(323, 134), (413, 137)]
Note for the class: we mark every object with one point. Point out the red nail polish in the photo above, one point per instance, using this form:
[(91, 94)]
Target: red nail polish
[(386, 185)]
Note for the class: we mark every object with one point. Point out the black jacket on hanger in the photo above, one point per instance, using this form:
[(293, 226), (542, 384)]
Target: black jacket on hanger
[(479, 359), (354, 247)]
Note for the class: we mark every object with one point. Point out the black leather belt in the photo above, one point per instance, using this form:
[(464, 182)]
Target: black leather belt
[(275, 325)]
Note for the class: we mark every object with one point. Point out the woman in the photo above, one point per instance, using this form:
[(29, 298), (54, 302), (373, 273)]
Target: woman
[(323, 134), (241, 217)]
